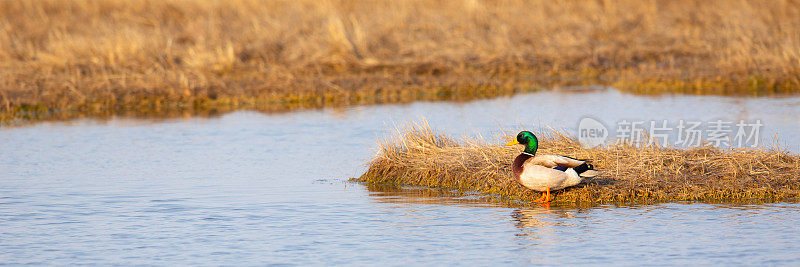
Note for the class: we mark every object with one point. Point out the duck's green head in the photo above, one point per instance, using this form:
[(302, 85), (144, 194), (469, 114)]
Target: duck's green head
[(527, 139)]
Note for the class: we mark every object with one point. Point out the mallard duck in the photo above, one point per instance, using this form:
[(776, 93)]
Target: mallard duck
[(546, 172)]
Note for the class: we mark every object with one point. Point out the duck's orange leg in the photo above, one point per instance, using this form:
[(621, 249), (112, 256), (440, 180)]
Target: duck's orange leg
[(541, 198), (548, 196), (545, 197)]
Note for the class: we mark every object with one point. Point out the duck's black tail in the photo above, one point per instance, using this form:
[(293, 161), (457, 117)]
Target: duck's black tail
[(583, 168), (586, 170)]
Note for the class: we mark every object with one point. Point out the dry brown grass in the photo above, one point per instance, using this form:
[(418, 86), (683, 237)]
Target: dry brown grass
[(99, 56), (421, 157)]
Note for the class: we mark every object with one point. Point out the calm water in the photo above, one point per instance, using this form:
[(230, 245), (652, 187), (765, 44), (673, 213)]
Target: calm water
[(252, 189)]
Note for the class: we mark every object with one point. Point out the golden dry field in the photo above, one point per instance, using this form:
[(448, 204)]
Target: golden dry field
[(61, 59)]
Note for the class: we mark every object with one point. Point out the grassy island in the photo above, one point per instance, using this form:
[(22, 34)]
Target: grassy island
[(421, 157)]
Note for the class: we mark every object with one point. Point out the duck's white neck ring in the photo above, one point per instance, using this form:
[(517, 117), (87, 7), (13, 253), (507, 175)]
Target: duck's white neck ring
[(526, 153)]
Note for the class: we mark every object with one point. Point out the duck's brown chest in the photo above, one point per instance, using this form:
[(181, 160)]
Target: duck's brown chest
[(516, 167)]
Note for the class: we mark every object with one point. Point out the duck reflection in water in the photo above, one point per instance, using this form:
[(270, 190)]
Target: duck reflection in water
[(542, 222)]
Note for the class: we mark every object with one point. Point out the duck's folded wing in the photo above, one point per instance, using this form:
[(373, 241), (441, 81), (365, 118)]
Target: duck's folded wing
[(551, 161)]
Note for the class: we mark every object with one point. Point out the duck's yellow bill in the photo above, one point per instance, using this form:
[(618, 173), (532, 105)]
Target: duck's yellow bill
[(512, 143)]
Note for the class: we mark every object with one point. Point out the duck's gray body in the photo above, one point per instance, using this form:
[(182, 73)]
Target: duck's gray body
[(543, 172)]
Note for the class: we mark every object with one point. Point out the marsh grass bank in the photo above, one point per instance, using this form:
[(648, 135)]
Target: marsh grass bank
[(95, 57), (422, 157)]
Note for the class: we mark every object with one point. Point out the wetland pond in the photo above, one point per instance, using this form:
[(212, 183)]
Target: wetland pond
[(247, 188)]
